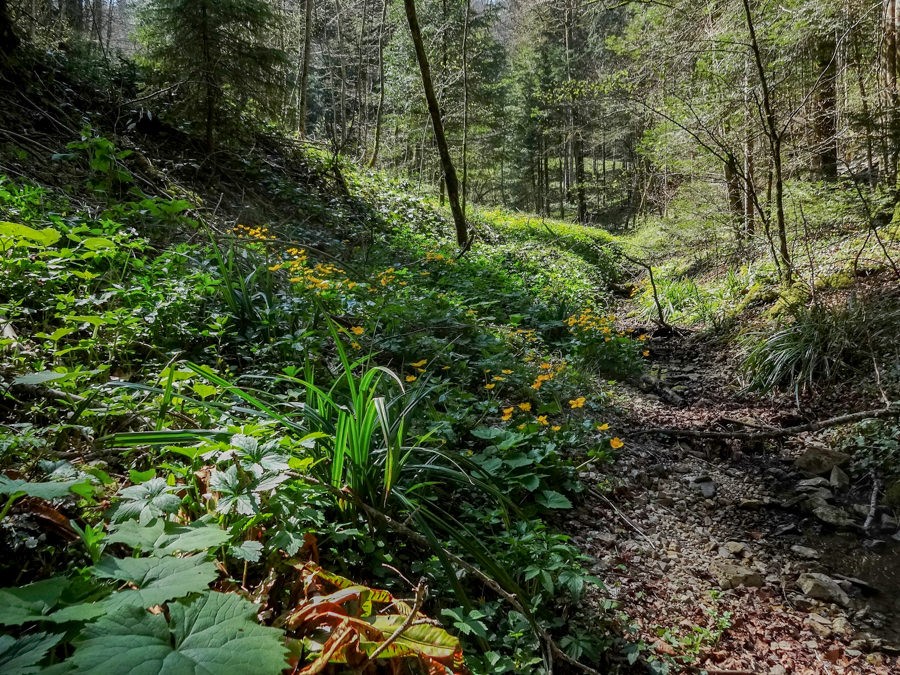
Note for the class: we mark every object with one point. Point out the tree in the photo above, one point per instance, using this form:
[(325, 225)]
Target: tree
[(452, 183), (216, 50), (8, 39)]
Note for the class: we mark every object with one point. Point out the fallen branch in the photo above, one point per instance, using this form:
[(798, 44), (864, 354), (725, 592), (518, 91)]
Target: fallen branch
[(421, 592), (621, 515), (818, 425), (873, 505)]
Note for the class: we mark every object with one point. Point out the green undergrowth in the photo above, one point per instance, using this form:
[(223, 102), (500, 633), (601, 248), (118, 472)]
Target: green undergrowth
[(193, 410)]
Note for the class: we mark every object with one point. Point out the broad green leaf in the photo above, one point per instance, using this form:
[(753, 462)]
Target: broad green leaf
[(204, 390), (147, 501), (20, 657), (248, 550), (165, 538), (45, 490), (138, 477), (40, 378), (157, 579), (31, 602), (46, 237), (551, 499), (97, 243), (211, 634)]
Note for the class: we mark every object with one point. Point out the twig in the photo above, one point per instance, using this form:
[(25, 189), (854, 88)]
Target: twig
[(879, 413), (622, 516), (421, 594)]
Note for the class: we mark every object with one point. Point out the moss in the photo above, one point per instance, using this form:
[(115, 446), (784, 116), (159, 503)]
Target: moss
[(892, 494)]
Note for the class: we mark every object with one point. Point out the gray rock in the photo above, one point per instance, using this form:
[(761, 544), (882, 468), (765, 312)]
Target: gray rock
[(737, 549), (819, 625), (865, 587), (822, 587), (820, 459), (889, 523), (732, 575), (839, 479), (707, 489), (805, 552), (812, 483), (832, 515), (751, 504)]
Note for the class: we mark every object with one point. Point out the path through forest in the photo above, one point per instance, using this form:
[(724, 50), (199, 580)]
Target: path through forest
[(693, 536)]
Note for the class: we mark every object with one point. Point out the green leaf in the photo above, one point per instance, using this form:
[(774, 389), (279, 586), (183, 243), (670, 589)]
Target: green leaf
[(40, 378), (138, 477), (31, 602), (97, 243), (157, 579), (213, 633), (147, 501), (248, 550), (166, 538), (45, 490), (551, 499), (19, 657), (28, 235)]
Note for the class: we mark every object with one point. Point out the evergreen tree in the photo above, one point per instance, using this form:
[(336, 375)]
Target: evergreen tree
[(218, 51)]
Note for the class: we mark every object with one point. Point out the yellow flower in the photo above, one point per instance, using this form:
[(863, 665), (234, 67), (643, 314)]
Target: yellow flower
[(578, 402), (603, 427), (355, 345), (520, 427), (542, 419), (489, 386), (616, 443), (411, 378), (419, 364), (497, 378), (546, 366), (446, 368), (555, 427), (357, 330), (646, 352), (506, 372), (525, 407)]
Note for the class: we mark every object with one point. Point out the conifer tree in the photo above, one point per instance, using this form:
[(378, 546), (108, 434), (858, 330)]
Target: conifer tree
[(218, 51)]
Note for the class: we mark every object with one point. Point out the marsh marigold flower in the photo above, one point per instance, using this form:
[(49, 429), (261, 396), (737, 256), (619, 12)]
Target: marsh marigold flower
[(578, 402), (616, 443)]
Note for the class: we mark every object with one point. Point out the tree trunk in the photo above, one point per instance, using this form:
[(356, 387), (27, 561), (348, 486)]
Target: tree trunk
[(459, 219), (8, 39), (893, 96), (774, 134), (825, 111), (465, 129), (379, 110), (735, 201), (304, 74)]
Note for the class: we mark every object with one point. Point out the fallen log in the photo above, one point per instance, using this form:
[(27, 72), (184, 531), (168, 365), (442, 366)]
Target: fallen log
[(765, 433)]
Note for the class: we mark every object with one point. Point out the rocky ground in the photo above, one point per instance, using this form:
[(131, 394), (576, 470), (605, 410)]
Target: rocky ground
[(740, 557)]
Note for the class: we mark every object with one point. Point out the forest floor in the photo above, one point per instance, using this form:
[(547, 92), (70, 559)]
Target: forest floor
[(702, 543)]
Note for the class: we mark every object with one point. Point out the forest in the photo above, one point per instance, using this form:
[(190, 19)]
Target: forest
[(461, 337)]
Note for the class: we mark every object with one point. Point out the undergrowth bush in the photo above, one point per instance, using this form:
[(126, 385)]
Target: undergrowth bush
[(821, 343)]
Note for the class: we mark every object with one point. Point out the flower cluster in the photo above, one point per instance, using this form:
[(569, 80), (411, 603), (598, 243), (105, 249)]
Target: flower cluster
[(260, 232), (589, 322), (433, 256)]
